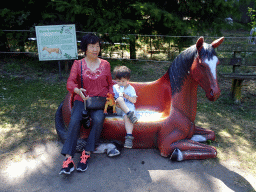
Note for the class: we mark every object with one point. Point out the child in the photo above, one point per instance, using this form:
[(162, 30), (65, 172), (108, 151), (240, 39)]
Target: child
[(125, 96)]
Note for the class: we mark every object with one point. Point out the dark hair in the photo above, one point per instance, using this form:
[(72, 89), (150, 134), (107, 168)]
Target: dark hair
[(89, 39), (122, 72)]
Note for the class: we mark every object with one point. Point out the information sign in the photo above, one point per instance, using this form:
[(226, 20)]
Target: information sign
[(56, 42)]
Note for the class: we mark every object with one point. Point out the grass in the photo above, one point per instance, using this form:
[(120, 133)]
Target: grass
[(27, 112), (234, 125), (141, 70), (28, 104), (30, 92)]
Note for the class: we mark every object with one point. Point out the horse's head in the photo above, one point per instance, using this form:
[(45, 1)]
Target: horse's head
[(203, 69)]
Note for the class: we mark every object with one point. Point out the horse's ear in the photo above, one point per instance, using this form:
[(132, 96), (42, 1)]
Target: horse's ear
[(217, 42), (199, 43)]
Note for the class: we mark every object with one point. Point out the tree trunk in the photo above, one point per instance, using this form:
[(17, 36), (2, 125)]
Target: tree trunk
[(133, 48), (4, 43)]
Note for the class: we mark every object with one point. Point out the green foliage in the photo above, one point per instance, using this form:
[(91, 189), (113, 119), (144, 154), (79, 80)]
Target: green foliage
[(122, 17), (116, 19), (152, 17), (11, 18), (252, 15)]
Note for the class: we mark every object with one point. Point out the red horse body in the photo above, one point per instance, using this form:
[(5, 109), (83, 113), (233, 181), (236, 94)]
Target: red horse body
[(167, 107)]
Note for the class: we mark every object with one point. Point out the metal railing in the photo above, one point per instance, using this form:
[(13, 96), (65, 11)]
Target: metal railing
[(161, 48)]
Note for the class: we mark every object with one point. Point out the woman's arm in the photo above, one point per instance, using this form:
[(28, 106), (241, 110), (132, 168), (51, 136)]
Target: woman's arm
[(72, 81)]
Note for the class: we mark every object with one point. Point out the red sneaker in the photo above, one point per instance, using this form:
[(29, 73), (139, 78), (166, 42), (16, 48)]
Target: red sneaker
[(68, 166), (82, 165)]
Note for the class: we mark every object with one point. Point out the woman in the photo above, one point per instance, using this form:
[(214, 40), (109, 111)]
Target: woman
[(97, 81)]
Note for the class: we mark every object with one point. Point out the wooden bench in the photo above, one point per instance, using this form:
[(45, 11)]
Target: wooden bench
[(238, 56)]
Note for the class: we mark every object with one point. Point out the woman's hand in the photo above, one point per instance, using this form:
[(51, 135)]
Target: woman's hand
[(80, 93)]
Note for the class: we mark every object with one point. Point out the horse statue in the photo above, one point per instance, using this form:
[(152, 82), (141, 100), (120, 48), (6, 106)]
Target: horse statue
[(166, 108)]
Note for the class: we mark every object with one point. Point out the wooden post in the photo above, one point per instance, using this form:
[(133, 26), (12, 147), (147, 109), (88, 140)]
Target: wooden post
[(60, 76), (169, 51), (133, 47), (236, 85), (151, 48), (236, 90), (66, 66)]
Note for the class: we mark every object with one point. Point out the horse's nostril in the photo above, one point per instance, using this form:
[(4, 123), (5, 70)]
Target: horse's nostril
[(211, 93)]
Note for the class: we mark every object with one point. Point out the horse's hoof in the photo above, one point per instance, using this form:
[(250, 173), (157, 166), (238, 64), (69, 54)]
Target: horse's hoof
[(118, 145), (113, 153), (198, 138), (176, 155)]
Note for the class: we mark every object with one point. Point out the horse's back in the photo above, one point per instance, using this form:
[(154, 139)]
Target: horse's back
[(153, 96), (153, 107)]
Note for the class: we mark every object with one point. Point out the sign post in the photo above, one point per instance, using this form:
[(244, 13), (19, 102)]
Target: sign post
[(56, 42)]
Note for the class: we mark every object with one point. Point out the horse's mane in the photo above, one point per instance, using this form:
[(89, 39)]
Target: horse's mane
[(180, 67)]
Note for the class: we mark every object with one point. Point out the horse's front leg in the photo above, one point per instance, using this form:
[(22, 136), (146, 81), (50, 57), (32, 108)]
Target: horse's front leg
[(165, 146), (187, 150), (179, 127), (202, 135)]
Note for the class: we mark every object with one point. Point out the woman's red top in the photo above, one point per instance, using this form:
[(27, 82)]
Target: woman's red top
[(97, 82)]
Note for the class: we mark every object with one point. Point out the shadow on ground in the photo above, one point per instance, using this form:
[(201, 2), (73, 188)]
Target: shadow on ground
[(134, 170)]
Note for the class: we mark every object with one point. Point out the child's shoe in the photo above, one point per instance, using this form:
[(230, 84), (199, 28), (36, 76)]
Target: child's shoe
[(128, 142), (82, 165), (132, 117), (68, 166)]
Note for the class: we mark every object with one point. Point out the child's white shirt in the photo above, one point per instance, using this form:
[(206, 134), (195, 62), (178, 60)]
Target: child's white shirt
[(130, 91)]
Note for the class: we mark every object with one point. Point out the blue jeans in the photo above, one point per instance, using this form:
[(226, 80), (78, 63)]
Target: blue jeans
[(74, 126)]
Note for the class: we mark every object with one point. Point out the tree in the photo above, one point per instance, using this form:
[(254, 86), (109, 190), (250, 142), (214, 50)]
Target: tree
[(116, 18), (243, 6), (252, 15), (21, 15)]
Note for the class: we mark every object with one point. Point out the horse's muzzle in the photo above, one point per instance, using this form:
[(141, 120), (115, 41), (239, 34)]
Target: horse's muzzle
[(213, 94)]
